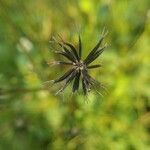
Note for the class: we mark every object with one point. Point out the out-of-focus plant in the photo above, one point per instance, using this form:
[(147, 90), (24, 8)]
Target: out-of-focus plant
[(33, 118)]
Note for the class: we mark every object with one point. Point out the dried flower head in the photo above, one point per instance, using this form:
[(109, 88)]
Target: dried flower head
[(79, 68)]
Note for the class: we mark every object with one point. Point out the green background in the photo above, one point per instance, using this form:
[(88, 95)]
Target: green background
[(33, 118)]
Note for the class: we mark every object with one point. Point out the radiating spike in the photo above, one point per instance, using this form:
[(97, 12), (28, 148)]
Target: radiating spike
[(94, 56), (69, 53), (62, 44), (80, 47), (85, 82), (76, 82), (68, 80), (98, 44), (65, 55), (67, 74), (96, 83), (94, 66), (84, 87), (73, 49)]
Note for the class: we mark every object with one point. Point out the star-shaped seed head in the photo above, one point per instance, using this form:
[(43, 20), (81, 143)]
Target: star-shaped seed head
[(79, 68)]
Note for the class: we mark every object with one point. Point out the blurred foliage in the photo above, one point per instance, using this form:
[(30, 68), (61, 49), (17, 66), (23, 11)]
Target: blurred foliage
[(32, 118)]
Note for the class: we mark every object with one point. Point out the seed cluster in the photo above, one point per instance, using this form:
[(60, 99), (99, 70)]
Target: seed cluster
[(79, 68)]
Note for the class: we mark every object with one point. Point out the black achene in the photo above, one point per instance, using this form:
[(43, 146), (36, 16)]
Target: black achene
[(79, 68)]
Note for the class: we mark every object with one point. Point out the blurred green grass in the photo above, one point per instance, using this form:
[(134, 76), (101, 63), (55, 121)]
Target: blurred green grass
[(31, 118)]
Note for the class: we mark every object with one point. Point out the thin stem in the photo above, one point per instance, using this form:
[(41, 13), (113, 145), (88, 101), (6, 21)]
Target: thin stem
[(19, 90)]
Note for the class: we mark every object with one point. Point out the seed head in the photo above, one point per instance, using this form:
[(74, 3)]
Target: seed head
[(79, 68)]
